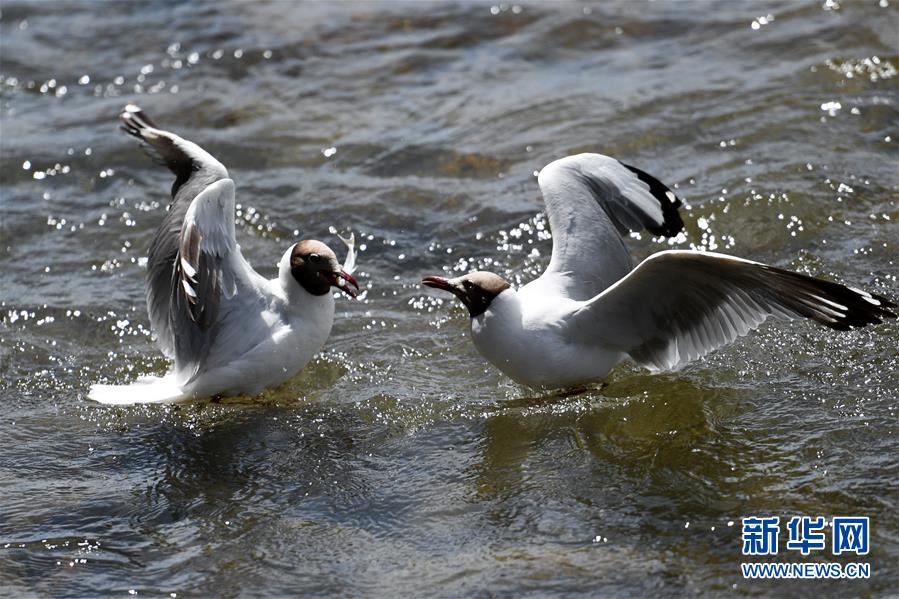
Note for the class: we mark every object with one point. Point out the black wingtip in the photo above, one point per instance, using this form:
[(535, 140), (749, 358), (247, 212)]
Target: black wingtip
[(158, 144), (667, 199), (136, 113), (836, 306), (129, 127), (134, 121), (866, 308)]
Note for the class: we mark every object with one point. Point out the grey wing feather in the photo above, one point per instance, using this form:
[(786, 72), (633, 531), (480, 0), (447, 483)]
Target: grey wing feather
[(677, 306), (204, 273), (194, 263), (591, 201)]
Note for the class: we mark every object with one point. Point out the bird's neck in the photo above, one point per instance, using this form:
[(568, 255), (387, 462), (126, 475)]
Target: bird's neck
[(295, 296), (506, 302), (289, 290)]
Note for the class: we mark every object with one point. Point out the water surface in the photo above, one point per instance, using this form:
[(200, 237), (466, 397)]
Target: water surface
[(399, 462)]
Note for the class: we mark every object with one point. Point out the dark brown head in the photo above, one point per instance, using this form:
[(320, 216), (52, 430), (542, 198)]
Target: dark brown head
[(476, 289), (314, 266)]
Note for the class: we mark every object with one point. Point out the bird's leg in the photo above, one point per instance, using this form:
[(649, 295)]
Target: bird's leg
[(573, 391), (549, 399)]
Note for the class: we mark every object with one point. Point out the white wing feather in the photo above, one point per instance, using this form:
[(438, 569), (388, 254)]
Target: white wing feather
[(677, 306), (349, 264), (591, 200)]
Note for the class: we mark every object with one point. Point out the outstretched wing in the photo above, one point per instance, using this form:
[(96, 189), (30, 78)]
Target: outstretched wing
[(591, 201), (349, 263), (679, 305), (194, 262)]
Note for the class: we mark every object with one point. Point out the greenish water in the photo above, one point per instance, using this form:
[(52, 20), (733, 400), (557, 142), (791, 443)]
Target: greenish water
[(399, 462)]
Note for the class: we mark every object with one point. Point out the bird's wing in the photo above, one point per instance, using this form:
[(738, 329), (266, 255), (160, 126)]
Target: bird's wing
[(215, 291), (591, 201), (679, 305), (194, 167), (194, 261), (349, 263)]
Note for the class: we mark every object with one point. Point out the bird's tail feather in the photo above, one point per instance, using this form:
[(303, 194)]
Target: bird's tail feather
[(146, 389)]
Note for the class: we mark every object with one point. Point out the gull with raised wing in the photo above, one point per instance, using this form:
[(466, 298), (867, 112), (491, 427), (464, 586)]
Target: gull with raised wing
[(590, 310), (228, 330)]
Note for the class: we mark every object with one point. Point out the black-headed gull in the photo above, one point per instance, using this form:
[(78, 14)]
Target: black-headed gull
[(589, 310), (228, 330)]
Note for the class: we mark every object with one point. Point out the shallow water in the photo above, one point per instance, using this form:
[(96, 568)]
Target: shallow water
[(399, 462)]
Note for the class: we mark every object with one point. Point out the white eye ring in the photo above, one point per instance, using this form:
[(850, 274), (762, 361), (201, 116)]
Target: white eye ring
[(314, 257)]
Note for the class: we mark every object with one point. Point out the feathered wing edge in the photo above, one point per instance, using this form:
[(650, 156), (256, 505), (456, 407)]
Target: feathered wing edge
[(592, 201), (677, 306), (672, 224), (631, 198), (184, 277)]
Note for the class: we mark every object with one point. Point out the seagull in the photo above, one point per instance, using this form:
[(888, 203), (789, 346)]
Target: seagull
[(228, 330), (590, 309)]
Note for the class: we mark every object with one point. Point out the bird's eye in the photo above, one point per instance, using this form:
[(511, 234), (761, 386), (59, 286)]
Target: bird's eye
[(314, 258)]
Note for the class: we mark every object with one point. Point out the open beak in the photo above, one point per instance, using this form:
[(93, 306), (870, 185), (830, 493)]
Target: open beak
[(342, 280), (438, 283)]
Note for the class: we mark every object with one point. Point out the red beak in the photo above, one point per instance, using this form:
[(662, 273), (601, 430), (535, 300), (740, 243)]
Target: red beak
[(345, 276), (437, 283)]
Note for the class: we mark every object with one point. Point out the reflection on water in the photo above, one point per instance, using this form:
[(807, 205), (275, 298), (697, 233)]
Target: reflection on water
[(398, 462)]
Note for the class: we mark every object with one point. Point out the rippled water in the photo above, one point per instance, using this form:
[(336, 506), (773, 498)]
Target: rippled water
[(399, 462)]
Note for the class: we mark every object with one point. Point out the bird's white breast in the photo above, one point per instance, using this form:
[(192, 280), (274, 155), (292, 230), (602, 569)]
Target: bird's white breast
[(297, 331), (523, 334)]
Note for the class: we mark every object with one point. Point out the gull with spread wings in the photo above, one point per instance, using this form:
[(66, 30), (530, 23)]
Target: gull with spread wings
[(591, 309), (228, 330)]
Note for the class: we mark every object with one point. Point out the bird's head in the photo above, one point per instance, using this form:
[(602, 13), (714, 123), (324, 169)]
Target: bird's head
[(315, 267), (476, 289)]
